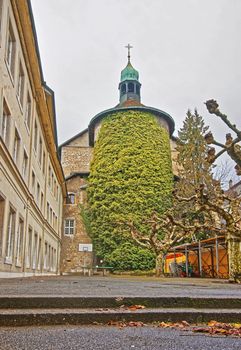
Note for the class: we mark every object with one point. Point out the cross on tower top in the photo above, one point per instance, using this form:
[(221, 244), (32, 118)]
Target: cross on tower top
[(129, 47)]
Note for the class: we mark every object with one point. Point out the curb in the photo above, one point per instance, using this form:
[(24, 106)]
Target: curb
[(57, 302), (88, 317)]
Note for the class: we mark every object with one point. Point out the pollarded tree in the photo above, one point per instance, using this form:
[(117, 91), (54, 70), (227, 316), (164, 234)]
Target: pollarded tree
[(231, 145), (131, 176)]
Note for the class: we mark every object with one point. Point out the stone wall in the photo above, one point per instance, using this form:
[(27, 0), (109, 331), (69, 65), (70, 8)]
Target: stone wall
[(75, 159), (72, 260)]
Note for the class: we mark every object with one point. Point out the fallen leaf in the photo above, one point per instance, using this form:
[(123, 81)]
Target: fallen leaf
[(136, 307)]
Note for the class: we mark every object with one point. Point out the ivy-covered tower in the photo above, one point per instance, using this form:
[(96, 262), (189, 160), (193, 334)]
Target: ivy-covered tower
[(130, 175), (124, 161)]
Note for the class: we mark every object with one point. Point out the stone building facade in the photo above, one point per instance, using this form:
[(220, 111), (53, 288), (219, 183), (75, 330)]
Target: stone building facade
[(76, 155), (32, 184)]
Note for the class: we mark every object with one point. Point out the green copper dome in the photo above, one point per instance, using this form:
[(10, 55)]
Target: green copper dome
[(129, 73)]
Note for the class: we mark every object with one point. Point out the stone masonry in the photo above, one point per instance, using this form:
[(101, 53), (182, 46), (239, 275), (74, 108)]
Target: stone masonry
[(73, 260)]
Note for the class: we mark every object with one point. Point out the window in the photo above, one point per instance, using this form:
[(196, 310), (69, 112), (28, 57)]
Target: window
[(47, 211), (70, 198), (42, 202), (55, 260), (20, 86), (5, 124), (16, 146), (49, 177), (10, 235), (29, 248), (19, 242), (39, 253), (52, 259), (52, 182), (55, 184), (130, 87), (123, 89), (69, 227), (49, 257), (38, 194), (44, 161), (11, 50), (45, 255), (40, 149), (33, 183), (35, 136), (25, 165), (28, 111), (35, 250), (51, 216), (2, 208)]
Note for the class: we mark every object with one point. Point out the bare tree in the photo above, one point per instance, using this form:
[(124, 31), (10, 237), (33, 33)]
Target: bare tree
[(223, 172)]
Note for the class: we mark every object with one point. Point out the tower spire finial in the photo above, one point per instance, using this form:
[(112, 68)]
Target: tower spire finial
[(129, 47)]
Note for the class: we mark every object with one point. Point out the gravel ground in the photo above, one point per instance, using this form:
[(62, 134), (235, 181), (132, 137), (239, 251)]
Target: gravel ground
[(118, 286), (111, 338)]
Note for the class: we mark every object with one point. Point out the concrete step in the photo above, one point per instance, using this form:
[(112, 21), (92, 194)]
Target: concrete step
[(38, 317), (61, 302)]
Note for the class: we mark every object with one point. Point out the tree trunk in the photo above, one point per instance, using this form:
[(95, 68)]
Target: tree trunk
[(160, 265), (234, 255)]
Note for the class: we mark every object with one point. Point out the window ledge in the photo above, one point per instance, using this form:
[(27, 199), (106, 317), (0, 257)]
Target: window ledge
[(18, 264), (8, 261)]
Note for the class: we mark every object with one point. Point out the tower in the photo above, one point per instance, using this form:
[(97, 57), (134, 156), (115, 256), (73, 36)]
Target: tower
[(129, 85), (123, 160)]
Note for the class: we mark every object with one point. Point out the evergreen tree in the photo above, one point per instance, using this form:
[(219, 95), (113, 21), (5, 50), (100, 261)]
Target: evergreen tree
[(194, 169), (192, 152)]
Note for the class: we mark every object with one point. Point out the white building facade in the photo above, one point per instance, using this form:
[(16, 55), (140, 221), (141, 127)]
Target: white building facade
[(32, 185)]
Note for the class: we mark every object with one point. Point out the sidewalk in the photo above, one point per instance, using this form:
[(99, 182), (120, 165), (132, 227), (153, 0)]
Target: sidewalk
[(118, 286)]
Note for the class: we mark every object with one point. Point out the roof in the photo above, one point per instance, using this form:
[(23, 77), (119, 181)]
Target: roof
[(98, 117), (81, 174), (129, 73), (73, 138), (195, 245)]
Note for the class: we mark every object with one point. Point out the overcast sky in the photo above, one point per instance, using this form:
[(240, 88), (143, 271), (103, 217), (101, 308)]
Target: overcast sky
[(185, 51)]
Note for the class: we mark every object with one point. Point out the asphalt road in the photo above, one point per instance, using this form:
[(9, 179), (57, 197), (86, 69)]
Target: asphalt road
[(111, 338), (118, 286)]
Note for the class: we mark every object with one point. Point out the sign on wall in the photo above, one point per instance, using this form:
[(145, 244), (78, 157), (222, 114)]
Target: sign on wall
[(85, 247)]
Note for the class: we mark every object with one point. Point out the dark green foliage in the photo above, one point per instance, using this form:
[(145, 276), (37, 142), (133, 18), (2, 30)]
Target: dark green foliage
[(129, 257), (85, 216), (194, 169), (130, 177), (192, 154)]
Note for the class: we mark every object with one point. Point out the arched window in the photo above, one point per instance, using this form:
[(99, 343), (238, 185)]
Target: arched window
[(137, 89), (123, 89), (130, 87)]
